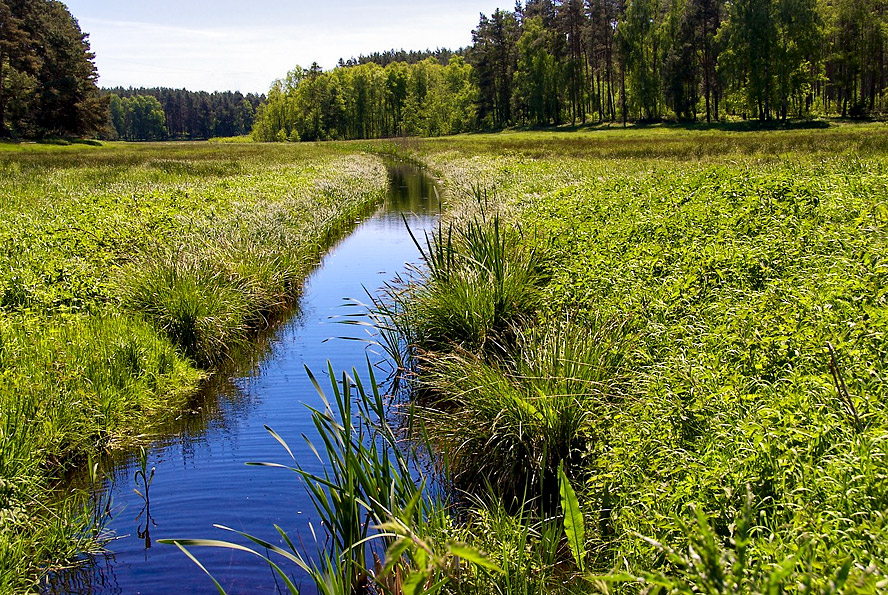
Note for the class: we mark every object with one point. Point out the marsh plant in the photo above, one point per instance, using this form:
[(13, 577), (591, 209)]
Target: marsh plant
[(480, 278), (385, 532), (510, 421), (129, 274)]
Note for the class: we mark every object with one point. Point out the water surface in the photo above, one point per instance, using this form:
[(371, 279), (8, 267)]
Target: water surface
[(200, 473)]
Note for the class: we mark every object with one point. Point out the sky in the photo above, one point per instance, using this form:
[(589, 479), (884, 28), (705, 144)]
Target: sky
[(243, 45)]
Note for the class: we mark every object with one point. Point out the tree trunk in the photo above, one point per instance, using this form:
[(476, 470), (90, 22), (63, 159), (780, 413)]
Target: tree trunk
[(623, 91)]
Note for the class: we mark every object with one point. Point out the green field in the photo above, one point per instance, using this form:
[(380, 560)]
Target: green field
[(127, 274), (657, 316), (690, 324)]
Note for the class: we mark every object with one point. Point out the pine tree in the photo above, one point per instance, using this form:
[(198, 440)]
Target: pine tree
[(47, 56)]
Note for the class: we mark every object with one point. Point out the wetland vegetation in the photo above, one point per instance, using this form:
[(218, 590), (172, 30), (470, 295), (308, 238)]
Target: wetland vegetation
[(643, 361), (128, 274), (706, 358), (637, 357)]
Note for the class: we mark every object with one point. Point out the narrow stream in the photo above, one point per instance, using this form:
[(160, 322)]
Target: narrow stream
[(200, 473)]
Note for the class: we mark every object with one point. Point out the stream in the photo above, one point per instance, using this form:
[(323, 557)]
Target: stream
[(200, 476)]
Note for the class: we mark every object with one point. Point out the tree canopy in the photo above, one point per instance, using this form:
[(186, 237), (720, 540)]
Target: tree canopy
[(47, 74), (187, 114), (368, 100), (550, 62)]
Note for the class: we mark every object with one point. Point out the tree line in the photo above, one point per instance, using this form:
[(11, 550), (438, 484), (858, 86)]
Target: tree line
[(441, 55), (551, 62), (47, 76), (161, 113), (545, 62), (368, 100)]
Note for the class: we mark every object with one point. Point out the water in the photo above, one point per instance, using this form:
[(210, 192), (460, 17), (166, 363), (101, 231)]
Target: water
[(200, 473)]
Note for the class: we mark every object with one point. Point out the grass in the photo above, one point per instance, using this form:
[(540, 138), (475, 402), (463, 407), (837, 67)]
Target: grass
[(698, 349), (729, 261), (479, 280), (687, 326), (507, 424), (128, 273)]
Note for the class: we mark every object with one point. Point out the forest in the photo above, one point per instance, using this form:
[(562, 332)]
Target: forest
[(161, 113), (578, 61), (545, 63), (47, 75)]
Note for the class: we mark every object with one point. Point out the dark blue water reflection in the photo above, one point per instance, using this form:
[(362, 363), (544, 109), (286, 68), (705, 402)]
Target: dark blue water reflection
[(201, 477)]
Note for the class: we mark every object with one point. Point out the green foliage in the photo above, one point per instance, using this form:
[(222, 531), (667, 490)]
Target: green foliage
[(47, 75), (574, 525), (185, 114), (509, 423), (121, 268), (369, 101), (549, 63), (140, 117), (481, 278), (737, 270), (200, 311)]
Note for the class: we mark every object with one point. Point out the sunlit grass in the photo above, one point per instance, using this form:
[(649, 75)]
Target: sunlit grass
[(129, 272), (735, 258)]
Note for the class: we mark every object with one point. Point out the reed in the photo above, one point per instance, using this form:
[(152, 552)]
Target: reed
[(510, 422), (480, 278), (387, 532)]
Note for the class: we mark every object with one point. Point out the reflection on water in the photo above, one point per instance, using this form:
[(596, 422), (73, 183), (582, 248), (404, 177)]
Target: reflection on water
[(200, 474)]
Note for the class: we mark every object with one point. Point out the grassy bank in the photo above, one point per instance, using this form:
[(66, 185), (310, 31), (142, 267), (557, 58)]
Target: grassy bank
[(127, 274), (702, 347)]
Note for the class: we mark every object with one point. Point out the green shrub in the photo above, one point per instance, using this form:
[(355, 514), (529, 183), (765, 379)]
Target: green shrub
[(481, 278)]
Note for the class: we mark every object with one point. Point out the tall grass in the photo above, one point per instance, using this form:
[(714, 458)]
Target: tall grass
[(127, 275), (196, 306), (509, 423), (480, 279), (387, 532)]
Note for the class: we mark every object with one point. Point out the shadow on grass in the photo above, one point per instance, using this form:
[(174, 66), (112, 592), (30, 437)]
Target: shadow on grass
[(731, 126)]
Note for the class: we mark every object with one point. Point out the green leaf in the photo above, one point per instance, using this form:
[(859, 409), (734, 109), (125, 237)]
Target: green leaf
[(196, 561), (281, 441), (472, 555), (394, 553), (574, 528), (413, 584)]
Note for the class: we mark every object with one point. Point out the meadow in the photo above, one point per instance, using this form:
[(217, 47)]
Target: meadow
[(691, 325), (638, 361), (643, 360), (128, 274)]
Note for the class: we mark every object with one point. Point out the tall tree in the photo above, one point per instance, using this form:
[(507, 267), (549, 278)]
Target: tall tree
[(46, 56), (705, 16), (749, 36), (493, 58), (604, 16), (639, 43), (536, 80), (18, 67), (681, 66), (571, 25)]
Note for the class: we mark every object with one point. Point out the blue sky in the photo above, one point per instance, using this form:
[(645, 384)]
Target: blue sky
[(217, 45)]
